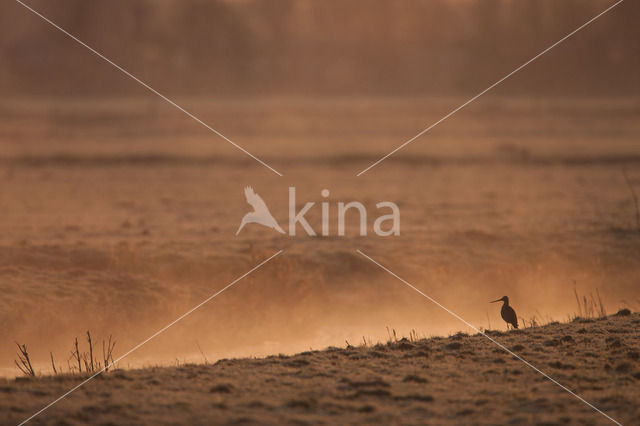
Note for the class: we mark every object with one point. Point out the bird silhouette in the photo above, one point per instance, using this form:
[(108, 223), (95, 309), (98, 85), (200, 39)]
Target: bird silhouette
[(260, 213), (507, 313)]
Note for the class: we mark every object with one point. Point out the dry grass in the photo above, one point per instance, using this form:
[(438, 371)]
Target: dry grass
[(78, 362), (591, 307), (24, 363)]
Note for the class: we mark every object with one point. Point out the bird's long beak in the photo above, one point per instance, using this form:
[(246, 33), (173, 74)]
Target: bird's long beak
[(494, 301), (241, 225)]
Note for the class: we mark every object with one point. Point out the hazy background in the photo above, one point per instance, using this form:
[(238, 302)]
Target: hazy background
[(324, 47), (118, 212)]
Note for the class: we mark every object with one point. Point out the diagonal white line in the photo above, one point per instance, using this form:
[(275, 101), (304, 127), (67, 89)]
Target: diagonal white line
[(491, 87), (145, 85), (136, 347), (504, 348)]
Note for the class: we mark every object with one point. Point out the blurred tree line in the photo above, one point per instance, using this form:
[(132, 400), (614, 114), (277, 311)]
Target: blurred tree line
[(319, 47)]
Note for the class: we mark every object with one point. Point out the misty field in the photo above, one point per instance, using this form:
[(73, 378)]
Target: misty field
[(119, 215)]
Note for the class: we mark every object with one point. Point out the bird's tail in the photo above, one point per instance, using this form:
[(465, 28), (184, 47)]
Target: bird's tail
[(240, 228), (277, 228)]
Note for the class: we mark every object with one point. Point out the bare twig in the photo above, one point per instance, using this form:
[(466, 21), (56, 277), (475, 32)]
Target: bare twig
[(76, 355), (575, 291), (602, 311), (25, 363), (91, 363), (107, 353), (206, 361), (53, 364)]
